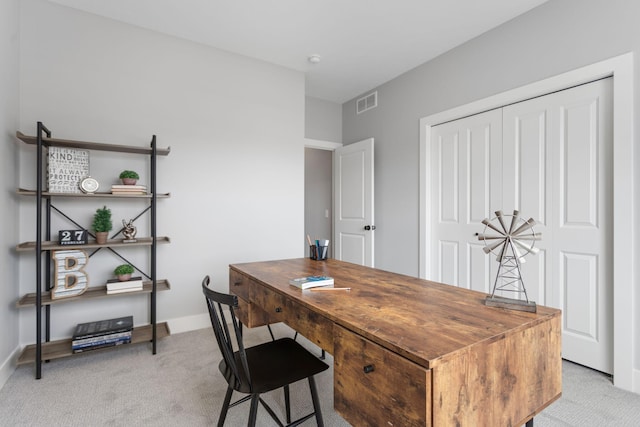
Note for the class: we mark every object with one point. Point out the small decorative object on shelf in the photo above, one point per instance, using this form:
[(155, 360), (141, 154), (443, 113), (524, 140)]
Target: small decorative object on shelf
[(514, 240), (89, 185), (123, 272), (129, 231), (65, 169), (129, 177), (72, 237), (69, 277), (102, 224)]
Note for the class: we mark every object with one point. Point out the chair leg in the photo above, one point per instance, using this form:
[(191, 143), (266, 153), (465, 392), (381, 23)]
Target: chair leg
[(225, 407), (253, 413), (287, 403), (316, 401)]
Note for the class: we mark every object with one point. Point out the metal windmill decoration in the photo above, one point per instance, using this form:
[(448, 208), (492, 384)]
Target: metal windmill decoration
[(510, 240)]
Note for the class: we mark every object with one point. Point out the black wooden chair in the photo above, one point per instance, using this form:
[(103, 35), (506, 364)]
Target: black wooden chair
[(261, 368)]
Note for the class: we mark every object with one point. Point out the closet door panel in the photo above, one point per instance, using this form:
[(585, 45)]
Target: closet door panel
[(466, 190)]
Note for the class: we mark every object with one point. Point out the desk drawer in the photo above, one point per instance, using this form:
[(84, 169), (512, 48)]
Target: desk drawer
[(250, 314), (376, 387), (313, 326), (239, 284), (271, 302)]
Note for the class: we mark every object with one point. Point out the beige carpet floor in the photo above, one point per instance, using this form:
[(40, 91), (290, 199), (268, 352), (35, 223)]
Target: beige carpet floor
[(181, 386)]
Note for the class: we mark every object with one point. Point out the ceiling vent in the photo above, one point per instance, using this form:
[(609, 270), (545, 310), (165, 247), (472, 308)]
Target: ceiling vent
[(367, 102)]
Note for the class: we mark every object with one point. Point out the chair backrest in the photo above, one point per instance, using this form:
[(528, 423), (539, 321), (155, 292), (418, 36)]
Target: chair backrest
[(217, 302)]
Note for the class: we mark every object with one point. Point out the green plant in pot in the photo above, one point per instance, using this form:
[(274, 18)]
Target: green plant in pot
[(102, 224), (129, 177), (123, 272)]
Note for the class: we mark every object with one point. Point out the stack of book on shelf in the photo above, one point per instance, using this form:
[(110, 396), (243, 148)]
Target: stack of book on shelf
[(115, 286), (103, 333), (128, 189)]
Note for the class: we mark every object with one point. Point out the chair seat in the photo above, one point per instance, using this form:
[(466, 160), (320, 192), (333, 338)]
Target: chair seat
[(274, 364)]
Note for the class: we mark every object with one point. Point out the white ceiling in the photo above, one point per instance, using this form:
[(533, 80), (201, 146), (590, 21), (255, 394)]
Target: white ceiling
[(362, 43)]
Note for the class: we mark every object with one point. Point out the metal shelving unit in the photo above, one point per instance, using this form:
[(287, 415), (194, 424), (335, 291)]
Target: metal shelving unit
[(45, 349)]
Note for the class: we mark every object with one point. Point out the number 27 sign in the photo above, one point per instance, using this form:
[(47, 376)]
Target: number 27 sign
[(72, 237)]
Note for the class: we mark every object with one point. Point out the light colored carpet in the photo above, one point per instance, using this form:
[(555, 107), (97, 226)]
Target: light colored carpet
[(181, 385)]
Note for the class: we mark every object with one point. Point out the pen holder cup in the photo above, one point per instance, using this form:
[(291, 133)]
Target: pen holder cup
[(318, 253)]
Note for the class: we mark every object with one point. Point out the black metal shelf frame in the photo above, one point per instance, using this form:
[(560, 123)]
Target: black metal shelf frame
[(43, 138)]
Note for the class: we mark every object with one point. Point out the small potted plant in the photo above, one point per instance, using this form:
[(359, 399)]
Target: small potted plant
[(123, 272), (102, 224), (129, 177)]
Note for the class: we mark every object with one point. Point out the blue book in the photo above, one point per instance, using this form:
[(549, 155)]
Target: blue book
[(311, 282)]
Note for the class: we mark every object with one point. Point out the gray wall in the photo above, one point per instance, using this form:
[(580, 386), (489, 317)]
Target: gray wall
[(558, 36), (318, 203), (322, 120), (236, 168), (9, 105)]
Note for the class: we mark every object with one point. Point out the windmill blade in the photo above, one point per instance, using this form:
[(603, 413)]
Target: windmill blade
[(487, 237), (518, 255), (514, 220), (534, 236), (524, 227), (488, 249), (491, 226), (499, 216), (531, 249)]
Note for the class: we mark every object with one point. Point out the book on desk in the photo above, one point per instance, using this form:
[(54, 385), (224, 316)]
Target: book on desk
[(311, 282)]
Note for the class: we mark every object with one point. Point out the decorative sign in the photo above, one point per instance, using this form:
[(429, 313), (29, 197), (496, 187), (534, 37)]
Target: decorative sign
[(66, 167), (72, 237), (70, 279)]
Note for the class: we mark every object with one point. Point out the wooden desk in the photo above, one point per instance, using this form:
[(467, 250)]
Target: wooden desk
[(409, 352)]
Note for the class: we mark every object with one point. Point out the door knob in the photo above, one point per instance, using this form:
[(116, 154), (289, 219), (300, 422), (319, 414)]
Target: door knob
[(369, 227)]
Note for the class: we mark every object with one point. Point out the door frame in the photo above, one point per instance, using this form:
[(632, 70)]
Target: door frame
[(319, 144), (621, 69)]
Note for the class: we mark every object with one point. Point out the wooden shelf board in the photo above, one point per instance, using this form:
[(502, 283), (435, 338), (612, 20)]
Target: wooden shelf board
[(25, 192), (112, 243), (56, 142), (62, 348), (93, 292)]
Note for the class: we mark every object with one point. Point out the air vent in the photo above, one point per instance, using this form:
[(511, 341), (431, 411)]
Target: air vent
[(367, 102)]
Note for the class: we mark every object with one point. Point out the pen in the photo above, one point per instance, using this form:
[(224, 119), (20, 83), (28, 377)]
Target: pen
[(330, 289)]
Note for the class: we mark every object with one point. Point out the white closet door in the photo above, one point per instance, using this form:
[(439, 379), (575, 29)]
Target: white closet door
[(558, 157), (464, 179), (550, 158)]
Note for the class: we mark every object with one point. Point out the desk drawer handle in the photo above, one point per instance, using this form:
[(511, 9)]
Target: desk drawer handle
[(368, 369), (278, 310), (237, 283)]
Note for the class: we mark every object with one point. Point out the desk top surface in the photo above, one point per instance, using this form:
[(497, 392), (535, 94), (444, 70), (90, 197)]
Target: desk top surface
[(424, 321)]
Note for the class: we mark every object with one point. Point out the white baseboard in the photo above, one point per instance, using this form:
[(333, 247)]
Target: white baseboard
[(189, 323), (8, 366)]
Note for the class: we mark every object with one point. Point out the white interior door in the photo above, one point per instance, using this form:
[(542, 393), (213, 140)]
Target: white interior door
[(353, 201), (555, 166), (570, 194), (465, 181)]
